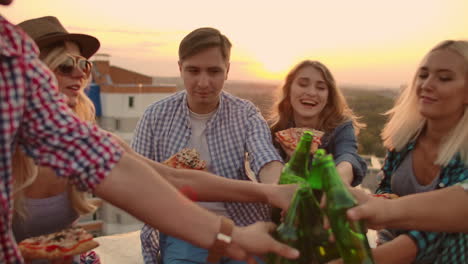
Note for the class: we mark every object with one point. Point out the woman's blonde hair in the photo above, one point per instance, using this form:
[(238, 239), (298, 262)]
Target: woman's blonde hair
[(406, 122), (25, 170), (335, 112)]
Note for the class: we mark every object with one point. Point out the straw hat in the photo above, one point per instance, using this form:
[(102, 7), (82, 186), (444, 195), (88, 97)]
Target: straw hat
[(48, 30)]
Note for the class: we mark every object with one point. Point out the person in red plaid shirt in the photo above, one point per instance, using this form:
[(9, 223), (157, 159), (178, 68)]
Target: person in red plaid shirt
[(34, 116)]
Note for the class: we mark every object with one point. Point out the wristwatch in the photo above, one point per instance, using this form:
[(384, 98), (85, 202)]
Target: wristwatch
[(222, 240)]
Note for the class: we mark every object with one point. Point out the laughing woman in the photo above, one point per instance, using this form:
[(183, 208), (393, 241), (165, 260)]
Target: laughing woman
[(311, 99)]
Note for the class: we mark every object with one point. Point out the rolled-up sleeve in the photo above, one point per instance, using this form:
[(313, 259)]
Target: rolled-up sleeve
[(345, 149), (259, 143), (55, 137)]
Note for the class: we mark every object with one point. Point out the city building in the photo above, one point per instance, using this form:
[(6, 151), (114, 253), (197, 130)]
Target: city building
[(120, 97)]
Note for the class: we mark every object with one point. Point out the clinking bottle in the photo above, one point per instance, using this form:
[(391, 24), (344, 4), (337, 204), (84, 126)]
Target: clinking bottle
[(350, 236)]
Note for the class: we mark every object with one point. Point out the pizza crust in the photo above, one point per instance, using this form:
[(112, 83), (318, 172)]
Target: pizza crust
[(76, 241)]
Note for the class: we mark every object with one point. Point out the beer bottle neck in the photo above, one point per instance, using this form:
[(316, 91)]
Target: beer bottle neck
[(299, 160), (315, 175)]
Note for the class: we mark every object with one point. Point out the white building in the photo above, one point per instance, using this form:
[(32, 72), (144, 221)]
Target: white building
[(120, 97)]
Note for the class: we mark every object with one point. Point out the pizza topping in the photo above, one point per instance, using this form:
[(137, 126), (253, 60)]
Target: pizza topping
[(65, 239), (68, 242), (187, 158)]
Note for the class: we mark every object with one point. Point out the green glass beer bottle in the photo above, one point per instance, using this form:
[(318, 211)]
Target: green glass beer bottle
[(325, 250), (296, 169), (350, 236), (315, 173), (299, 228)]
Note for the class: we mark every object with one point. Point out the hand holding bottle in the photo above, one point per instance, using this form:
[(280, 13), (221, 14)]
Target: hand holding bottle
[(255, 240)]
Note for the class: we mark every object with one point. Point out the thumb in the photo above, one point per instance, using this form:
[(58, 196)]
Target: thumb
[(357, 213), (284, 250), (270, 226), (280, 248)]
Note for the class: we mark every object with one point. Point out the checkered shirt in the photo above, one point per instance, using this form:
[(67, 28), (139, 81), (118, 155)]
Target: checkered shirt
[(433, 247), (36, 117), (236, 127)]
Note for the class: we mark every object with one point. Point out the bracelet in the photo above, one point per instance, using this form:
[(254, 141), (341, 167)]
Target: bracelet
[(222, 240)]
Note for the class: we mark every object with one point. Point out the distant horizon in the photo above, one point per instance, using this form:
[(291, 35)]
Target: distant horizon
[(278, 83)]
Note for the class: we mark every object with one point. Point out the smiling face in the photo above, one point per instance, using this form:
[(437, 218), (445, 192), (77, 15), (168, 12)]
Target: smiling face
[(441, 85), (204, 74), (72, 84), (308, 96)]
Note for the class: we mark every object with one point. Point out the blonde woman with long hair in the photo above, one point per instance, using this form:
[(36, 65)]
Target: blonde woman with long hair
[(427, 139), (45, 203), (310, 98)]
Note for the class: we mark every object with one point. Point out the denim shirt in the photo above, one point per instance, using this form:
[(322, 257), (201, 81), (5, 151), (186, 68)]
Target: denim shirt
[(433, 247), (342, 144)]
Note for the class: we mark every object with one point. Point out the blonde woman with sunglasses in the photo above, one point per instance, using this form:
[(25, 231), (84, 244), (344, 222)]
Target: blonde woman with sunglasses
[(45, 203)]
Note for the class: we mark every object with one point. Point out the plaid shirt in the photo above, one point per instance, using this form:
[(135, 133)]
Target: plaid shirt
[(35, 116), (236, 127), (433, 247)]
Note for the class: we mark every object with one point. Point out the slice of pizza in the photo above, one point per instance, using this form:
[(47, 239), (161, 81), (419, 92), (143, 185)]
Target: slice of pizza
[(68, 242), (290, 137), (187, 158)]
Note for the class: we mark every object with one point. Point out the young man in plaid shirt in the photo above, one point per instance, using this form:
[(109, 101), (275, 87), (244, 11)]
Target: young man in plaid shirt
[(220, 126)]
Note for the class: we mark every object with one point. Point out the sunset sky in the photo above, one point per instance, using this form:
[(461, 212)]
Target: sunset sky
[(364, 42)]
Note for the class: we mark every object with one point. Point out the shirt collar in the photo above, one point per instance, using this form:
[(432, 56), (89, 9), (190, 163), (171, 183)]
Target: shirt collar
[(218, 111)]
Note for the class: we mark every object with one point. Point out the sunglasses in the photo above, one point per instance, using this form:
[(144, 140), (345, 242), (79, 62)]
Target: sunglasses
[(71, 62)]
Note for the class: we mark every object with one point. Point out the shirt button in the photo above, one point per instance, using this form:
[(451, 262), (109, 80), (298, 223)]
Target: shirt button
[(441, 185)]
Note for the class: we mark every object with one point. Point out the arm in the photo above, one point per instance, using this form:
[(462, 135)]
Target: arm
[(345, 169), (208, 187), (401, 250), (344, 150), (443, 210), (150, 198), (264, 159), (271, 172)]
